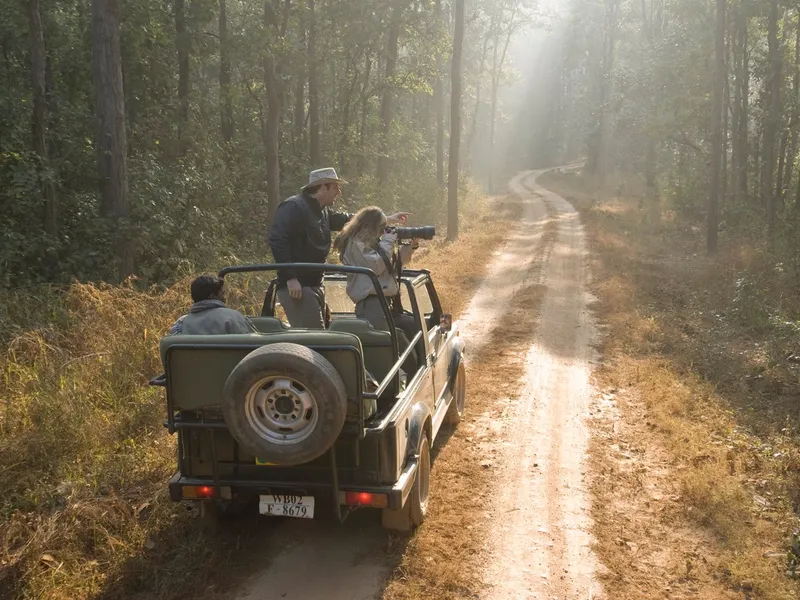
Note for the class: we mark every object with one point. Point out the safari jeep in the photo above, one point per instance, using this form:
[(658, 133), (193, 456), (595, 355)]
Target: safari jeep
[(302, 418)]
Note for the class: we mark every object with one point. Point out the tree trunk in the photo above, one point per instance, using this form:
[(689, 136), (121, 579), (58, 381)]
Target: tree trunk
[(299, 112), (492, 113), (110, 114), (778, 192), (650, 32), (716, 129), (344, 134), (478, 87), (787, 182), (771, 126), (392, 42), (39, 116), (603, 158), (438, 101), (497, 71), (743, 84), (315, 149), (735, 57), (226, 100), (362, 134), (455, 123), (726, 105), (183, 45), (272, 84)]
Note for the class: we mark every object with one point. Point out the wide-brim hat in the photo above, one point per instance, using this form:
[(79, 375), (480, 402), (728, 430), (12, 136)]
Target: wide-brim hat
[(322, 176)]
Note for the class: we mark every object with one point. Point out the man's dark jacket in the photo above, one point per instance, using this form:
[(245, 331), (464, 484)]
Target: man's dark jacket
[(301, 232)]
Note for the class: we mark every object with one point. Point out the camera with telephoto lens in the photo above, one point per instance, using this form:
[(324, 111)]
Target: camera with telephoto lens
[(426, 232)]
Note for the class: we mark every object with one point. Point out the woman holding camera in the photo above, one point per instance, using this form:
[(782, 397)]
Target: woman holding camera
[(365, 242)]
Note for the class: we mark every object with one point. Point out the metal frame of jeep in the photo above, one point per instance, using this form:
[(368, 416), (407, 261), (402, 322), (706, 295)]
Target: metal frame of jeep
[(374, 460)]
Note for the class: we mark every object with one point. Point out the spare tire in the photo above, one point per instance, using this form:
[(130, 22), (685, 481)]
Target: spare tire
[(285, 403)]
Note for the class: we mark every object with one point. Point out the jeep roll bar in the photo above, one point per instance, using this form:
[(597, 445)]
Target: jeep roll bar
[(255, 268)]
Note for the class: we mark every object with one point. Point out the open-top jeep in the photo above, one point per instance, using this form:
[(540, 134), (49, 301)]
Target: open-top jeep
[(298, 417)]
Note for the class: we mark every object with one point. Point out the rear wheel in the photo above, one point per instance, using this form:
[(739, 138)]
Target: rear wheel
[(285, 403), (415, 509)]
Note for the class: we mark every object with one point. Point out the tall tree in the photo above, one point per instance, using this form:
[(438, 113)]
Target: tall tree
[(183, 43), (111, 141), (739, 155), (315, 152), (794, 126), (712, 223), (603, 157), (392, 42), (455, 122), (39, 116), (438, 102), (300, 76), (276, 18), (773, 109), (506, 30), (227, 126)]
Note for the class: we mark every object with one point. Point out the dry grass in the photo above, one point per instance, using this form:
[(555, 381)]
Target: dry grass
[(84, 459), (699, 474)]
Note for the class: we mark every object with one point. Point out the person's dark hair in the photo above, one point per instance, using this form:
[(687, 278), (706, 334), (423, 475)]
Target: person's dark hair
[(315, 188), (205, 286)]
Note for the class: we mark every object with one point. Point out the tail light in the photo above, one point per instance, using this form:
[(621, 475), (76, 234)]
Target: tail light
[(366, 499), (201, 492)]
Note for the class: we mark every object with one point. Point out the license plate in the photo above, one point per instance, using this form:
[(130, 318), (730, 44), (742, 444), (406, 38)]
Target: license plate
[(282, 505)]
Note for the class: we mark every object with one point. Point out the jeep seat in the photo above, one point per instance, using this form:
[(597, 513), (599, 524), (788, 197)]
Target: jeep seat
[(268, 324), (377, 346), (197, 366)]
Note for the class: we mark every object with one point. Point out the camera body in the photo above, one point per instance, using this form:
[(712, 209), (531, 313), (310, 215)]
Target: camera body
[(426, 232)]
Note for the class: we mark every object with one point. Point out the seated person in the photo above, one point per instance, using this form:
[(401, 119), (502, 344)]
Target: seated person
[(364, 242), (209, 315)]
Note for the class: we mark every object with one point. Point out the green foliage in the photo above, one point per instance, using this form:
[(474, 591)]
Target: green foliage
[(193, 196)]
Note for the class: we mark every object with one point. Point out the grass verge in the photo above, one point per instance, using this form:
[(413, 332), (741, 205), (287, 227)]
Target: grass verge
[(696, 486), (84, 459)]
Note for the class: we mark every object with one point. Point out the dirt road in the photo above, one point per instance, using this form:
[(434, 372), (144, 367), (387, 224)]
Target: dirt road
[(539, 542), (542, 519)]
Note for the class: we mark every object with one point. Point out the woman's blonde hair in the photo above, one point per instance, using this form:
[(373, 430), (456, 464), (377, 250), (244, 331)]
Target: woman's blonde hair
[(365, 226)]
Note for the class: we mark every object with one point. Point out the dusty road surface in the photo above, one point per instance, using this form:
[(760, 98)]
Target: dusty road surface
[(540, 543), (537, 545)]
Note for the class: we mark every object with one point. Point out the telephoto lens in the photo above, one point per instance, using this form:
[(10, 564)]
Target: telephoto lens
[(426, 232)]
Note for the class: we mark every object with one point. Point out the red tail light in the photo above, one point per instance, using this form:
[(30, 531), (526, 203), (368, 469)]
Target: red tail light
[(205, 491), (366, 499), (200, 492)]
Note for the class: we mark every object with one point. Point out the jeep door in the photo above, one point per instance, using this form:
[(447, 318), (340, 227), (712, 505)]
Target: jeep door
[(438, 341)]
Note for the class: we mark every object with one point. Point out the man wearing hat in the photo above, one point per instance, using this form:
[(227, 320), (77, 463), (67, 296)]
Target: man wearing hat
[(301, 232)]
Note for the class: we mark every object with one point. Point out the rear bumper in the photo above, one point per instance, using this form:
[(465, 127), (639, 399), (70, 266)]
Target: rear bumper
[(396, 494)]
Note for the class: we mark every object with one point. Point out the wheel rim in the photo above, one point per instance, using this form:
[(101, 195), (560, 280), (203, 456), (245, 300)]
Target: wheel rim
[(424, 477), (281, 410)]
